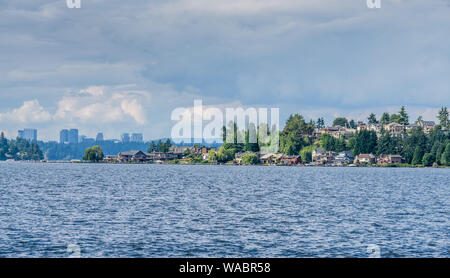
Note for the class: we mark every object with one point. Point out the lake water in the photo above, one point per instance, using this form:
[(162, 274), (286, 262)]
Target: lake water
[(100, 210)]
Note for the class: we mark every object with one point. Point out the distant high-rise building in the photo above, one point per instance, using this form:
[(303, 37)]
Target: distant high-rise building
[(29, 134), (125, 137), (81, 138), (64, 136), (73, 136), (99, 137), (137, 138)]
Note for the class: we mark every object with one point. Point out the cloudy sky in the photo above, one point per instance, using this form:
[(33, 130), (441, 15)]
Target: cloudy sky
[(122, 66)]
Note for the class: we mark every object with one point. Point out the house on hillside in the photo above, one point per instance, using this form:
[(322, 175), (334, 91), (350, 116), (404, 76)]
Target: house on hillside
[(335, 131), (426, 125), (395, 129)]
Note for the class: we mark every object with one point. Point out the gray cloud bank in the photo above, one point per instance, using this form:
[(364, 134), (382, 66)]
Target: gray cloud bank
[(118, 66)]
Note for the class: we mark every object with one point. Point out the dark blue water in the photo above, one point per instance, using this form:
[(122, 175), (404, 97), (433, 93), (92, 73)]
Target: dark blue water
[(222, 211)]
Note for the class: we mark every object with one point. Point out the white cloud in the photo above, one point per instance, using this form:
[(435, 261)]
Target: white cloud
[(103, 105), (30, 112)]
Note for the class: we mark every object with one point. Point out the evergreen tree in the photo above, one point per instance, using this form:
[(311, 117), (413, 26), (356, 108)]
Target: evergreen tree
[(443, 117), (418, 156), (445, 157), (365, 142), (395, 118), (385, 144), (428, 159), (3, 146), (320, 123), (439, 153), (404, 119), (152, 147), (251, 139), (385, 118), (417, 138), (372, 119)]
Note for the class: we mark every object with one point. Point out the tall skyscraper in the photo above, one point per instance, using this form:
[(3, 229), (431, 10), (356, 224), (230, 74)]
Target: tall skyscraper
[(137, 138), (29, 134), (125, 137), (99, 137), (73, 136), (64, 136)]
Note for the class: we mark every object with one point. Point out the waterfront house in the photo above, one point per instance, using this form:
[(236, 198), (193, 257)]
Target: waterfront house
[(266, 158), (132, 156), (291, 160), (161, 156), (271, 158), (365, 158), (343, 158), (321, 156), (389, 159), (111, 158)]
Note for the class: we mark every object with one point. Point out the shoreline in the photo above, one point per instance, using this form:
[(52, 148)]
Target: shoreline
[(225, 164)]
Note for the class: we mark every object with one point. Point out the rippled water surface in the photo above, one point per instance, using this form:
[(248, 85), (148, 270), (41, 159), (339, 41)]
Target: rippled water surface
[(222, 211)]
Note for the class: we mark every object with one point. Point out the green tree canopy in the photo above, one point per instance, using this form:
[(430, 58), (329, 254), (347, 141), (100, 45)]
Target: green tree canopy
[(249, 159), (340, 121), (293, 136), (93, 154)]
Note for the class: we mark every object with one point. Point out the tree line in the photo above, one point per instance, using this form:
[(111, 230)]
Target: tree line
[(19, 149), (296, 138), (415, 146)]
